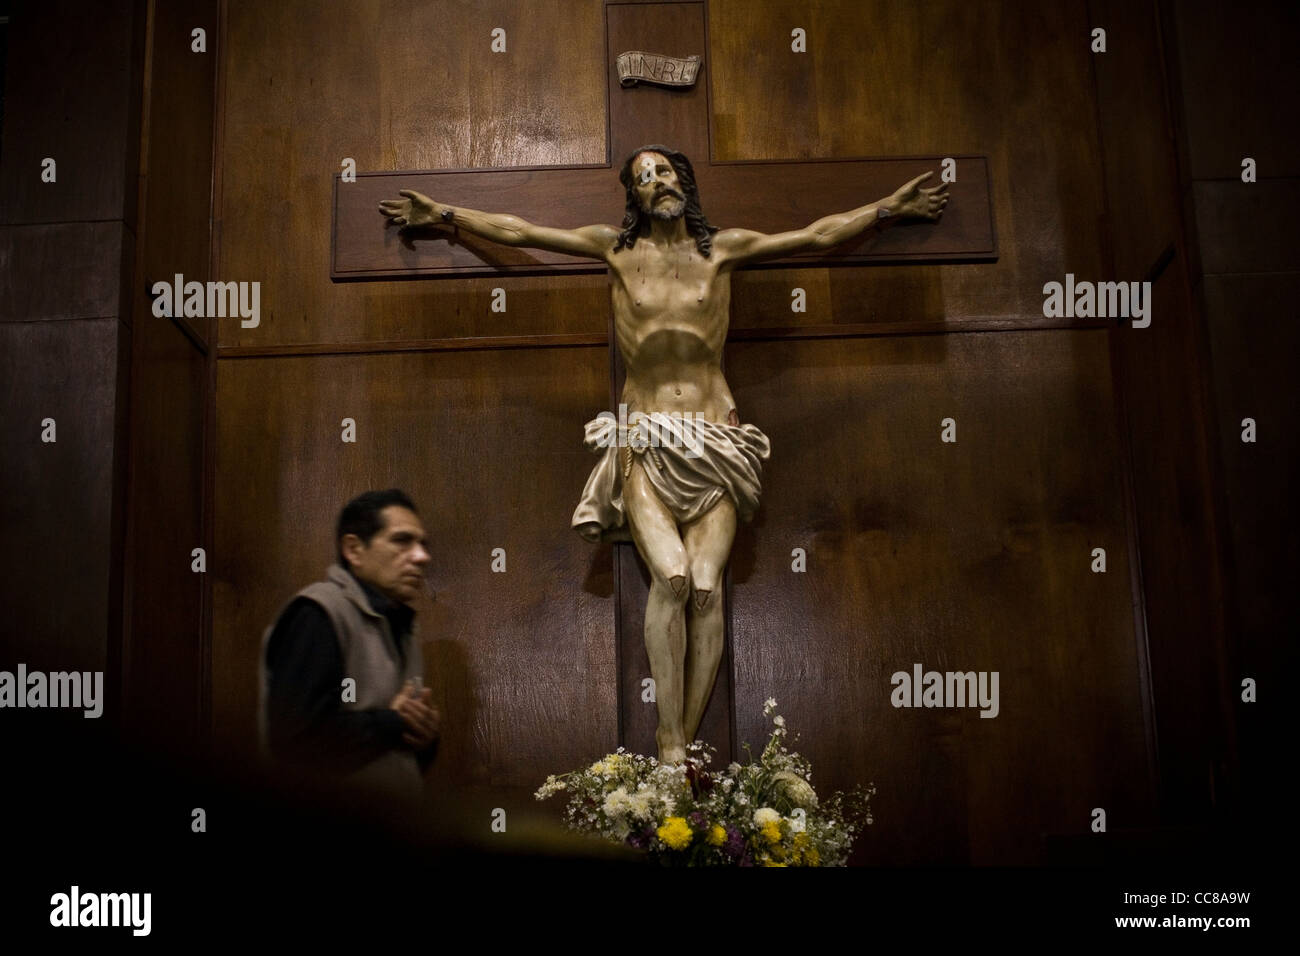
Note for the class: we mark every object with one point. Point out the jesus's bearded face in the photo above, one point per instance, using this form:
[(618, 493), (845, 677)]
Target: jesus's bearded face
[(657, 186)]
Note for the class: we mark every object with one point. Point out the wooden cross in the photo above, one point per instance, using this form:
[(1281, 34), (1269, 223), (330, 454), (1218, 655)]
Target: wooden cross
[(761, 195)]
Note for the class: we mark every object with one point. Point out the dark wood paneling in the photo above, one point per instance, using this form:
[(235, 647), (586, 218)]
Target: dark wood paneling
[(71, 93), (643, 114), (164, 641), (1254, 340), (792, 194), (63, 271), (1161, 377), (892, 80), (57, 499), (430, 96), (176, 172), (1161, 380), (965, 556), (489, 446), (1238, 71), (1247, 227), (1142, 199)]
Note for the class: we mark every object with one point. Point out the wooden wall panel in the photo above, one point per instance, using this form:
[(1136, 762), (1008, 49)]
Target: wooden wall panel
[(965, 556), (1142, 198), (63, 271), (414, 86), (489, 446), (66, 249), (1236, 68), (1254, 340), (1162, 374), (57, 498), (1243, 273), (897, 80), (1246, 228), (164, 645), (165, 634), (1174, 524), (71, 94)]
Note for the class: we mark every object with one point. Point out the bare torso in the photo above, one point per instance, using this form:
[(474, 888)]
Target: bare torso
[(671, 312)]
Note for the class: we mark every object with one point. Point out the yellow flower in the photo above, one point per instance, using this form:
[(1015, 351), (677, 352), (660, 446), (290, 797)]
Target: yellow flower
[(801, 850), (676, 833), (812, 857), (771, 832), (717, 835), (773, 863)]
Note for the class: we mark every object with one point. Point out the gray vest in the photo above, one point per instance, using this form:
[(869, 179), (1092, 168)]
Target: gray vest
[(370, 657)]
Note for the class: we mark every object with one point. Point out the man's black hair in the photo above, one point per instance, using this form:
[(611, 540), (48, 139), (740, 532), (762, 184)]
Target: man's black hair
[(361, 517), (636, 220)]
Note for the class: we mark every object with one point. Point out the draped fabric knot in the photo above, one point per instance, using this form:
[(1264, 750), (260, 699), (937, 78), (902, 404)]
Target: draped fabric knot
[(690, 462)]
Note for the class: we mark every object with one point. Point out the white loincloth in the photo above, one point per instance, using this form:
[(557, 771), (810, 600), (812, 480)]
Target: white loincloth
[(691, 465)]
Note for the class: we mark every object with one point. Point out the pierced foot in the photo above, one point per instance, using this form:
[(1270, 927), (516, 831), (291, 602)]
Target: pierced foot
[(674, 755), (669, 750)]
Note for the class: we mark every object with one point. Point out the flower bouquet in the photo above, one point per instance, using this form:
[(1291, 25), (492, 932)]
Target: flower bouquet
[(762, 813)]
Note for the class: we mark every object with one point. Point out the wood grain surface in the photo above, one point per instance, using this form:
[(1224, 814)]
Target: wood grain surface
[(967, 556)]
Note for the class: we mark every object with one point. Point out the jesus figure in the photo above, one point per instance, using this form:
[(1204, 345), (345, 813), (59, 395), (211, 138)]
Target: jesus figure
[(682, 476)]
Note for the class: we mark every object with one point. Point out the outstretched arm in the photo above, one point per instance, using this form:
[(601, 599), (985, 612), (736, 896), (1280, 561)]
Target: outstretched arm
[(909, 201), (417, 210)]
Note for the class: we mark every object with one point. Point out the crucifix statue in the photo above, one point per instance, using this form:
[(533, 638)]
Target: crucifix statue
[(688, 469)]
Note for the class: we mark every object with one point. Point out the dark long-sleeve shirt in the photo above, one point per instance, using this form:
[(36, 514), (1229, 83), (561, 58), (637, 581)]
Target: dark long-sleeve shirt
[(306, 722)]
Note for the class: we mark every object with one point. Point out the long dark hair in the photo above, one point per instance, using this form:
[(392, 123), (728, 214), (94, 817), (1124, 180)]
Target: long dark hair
[(636, 220)]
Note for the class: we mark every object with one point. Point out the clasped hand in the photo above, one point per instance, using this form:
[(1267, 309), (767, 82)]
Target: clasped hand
[(418, 713)]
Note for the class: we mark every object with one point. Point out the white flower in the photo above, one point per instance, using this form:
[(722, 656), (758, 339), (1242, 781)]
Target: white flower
[(639, 806), (795, 789), (779, 720), (551, 787), (765, 815), (617, 803)]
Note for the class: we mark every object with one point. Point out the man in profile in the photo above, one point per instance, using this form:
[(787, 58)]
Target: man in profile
[(342, 673)]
